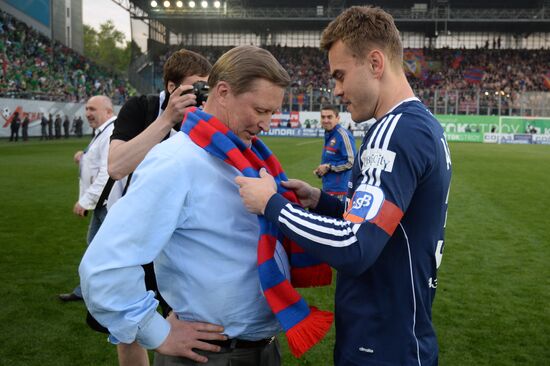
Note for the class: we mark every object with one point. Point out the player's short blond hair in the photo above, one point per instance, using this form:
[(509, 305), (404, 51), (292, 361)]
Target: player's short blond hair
[(363, 28)]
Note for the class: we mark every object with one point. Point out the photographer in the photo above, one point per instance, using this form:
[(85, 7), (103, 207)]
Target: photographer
[(145, 121), (142, 123)]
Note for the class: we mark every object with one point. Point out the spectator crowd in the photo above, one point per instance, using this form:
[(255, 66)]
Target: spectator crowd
[(461, 78), (35, 67), (485, 80)]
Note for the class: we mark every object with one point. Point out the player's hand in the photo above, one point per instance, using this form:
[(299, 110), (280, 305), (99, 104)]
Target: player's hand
[(79, 210), (256, 192), (186, 336), (321, 170), (308, 196), (178, 103), (77, 156)]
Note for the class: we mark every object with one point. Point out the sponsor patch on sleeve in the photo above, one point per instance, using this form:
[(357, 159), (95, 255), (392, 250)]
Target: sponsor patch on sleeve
[(365, 204), (377, 159)]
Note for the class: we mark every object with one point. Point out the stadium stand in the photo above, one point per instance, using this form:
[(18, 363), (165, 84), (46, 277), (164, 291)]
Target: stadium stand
[(439, 76), (28, 72)]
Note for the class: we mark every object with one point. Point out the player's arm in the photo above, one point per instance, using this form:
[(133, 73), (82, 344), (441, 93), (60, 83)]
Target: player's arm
[(125, 156), (315, 199), (353, 243), (347, 152)]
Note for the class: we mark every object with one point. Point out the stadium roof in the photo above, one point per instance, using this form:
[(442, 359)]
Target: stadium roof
[(525, 16)]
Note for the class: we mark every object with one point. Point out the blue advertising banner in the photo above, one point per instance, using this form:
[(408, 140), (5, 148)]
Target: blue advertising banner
[(36, 9)]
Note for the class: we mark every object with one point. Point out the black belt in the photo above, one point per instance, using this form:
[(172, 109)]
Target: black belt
[(241, 343)]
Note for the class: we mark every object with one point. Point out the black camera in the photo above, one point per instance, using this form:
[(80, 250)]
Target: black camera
[(200, 89)]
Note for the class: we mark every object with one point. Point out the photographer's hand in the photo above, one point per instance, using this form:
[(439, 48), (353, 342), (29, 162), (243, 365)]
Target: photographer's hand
[(180, 99)]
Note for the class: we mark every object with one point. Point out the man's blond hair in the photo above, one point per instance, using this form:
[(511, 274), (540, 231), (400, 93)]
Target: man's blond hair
[(241, 66), (363, 28)]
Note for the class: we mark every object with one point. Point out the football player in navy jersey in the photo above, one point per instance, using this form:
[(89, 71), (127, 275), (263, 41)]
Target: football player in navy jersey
[(386, 241)]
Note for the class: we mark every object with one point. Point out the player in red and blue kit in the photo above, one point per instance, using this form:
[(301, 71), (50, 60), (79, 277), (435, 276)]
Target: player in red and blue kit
[(338, 154), (387, 240)]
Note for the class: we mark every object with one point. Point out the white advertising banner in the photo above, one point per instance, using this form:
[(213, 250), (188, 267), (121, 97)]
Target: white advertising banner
[(312, 119), (35, 109)]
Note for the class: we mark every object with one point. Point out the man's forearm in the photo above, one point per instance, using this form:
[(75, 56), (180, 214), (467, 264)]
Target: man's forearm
[(125, 156)]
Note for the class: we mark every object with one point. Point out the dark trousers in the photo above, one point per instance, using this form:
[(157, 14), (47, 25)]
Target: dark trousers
[(269, 355), (14, 135)]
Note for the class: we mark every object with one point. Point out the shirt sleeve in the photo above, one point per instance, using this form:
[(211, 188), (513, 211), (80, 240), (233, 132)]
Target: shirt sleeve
[(89, 198), (129, 122), (347, 152), (136, 229), (353, 243)]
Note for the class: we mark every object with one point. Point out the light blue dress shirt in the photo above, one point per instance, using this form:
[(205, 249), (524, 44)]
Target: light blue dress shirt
[(182, 211)]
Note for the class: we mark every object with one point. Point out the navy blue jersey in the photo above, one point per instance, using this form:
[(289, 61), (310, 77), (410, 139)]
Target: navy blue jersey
[(339, 152), (389, 243)]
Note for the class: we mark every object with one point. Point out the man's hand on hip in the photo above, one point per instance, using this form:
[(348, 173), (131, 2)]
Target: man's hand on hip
[(185, 336)]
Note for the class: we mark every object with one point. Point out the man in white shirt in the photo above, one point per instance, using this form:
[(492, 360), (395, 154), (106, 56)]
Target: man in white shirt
[(93, 171)]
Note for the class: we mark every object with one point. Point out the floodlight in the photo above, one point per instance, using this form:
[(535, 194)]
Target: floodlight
[(217, 4), (191, 4), (204, 4), (154, 4), (179, 4), (166, 4)]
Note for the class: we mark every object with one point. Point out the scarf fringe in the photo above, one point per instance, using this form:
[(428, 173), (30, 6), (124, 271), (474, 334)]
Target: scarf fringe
[(314, 276), (309, 331)]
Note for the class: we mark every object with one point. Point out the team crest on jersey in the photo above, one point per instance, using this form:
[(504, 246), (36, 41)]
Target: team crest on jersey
[(377, 159), (332, 142), (365, 204)]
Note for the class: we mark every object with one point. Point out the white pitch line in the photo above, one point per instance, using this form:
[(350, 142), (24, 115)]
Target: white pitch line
[(308, 142)]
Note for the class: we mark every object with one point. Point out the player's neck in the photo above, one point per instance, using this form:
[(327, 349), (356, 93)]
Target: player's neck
[(393, 91)]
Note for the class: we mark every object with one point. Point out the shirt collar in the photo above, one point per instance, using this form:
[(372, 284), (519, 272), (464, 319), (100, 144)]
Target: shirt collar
[(401, 102), (105, 124)]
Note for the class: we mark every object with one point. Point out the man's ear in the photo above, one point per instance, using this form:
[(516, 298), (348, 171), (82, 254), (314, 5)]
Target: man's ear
[(222, 91), (377, 62), (171, 86)]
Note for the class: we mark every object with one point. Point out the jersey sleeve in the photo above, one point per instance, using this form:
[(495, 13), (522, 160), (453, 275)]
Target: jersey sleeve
[(393, 163), (347, 152), (129, 122)]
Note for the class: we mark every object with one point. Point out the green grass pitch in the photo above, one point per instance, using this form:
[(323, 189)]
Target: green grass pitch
[(493, 301)]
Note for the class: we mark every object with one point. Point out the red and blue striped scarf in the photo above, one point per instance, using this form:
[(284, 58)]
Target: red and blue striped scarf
[(304, 326)]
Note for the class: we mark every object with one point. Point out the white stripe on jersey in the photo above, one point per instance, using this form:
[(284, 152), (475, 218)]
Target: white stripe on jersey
[(328, 220), (318, 228), (413, 295), (317, 239), (389, 126), (349, 152), (382, 130), (390, 131), (375, 134)]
